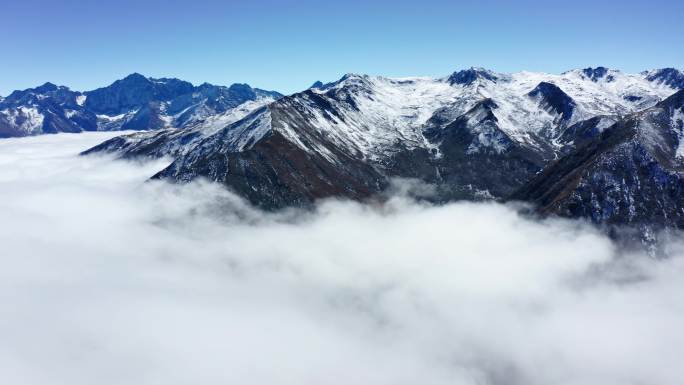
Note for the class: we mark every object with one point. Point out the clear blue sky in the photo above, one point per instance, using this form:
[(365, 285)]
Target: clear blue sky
[(287, 45)]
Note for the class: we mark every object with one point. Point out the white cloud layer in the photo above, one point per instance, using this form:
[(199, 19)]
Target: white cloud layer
[(109, 280)]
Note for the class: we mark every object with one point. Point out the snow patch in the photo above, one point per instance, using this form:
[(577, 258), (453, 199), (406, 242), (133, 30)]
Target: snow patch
[(678, 125), (112, 118)]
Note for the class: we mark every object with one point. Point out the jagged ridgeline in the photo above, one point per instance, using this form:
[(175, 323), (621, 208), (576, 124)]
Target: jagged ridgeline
[(132, 103), (594, 143)]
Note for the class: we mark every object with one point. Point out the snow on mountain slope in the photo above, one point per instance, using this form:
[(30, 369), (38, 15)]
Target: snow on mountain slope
[(211, 123), (371, 114), (386, 109), (475, 132), (678, 124), (178, 141), (520, 115)]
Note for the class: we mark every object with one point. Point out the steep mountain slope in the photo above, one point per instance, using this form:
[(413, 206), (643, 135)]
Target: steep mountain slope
[(177, 141), (132, 103), (476, 154), (475, 134), (631, 174), (273, 169)]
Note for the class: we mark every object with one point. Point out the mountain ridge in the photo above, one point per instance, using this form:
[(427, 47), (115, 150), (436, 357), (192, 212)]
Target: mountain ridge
[(134, 102), (474, 133), (592, 143)]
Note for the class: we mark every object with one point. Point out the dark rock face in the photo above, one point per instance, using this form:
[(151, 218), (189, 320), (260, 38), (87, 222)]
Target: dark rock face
[(274, 173), (554, 100), (476, 153), (668, 76), (271, 171), (578, 134), (317, 84), (467, 77), (32, 95), (598, 73), (133, 92), (147, 117), (629, 175)]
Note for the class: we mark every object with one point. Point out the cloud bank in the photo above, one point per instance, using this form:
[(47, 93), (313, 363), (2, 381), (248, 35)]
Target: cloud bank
[(106, 279)]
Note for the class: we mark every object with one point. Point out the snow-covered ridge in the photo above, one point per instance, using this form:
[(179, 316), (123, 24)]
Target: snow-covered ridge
[(473, 133), (373, 113), (384, 110), (369, 116)]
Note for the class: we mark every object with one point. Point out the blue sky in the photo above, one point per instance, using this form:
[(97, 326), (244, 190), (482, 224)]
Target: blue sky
[(287, 45)]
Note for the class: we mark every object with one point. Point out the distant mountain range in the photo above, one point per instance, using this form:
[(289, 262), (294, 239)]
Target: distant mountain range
[(593, 143), (133, 103)]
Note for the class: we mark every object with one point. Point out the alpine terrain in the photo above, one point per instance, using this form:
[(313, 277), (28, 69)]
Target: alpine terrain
[(593, 143)]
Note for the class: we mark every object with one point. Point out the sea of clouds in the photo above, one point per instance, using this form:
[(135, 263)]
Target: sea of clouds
[(108, 279)]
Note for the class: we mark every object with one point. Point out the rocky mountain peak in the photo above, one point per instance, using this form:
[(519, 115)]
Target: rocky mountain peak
[(135, 77), (599, 73), (469, 76), (668, 76), (317, 84), (45, 88), (553, 99)]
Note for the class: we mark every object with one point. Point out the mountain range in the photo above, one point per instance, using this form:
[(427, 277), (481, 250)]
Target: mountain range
[(593, 143), (132, 103)]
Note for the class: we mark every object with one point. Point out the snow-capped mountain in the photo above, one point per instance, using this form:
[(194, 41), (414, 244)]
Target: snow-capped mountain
[(44, 109), (133, 103), (474, 133)]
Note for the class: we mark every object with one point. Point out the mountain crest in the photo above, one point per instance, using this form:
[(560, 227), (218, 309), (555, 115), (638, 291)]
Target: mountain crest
[(135, 77), (350, 137), (353, 75), (469, 76), (599, 73), (668, 76), (45, 88)]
